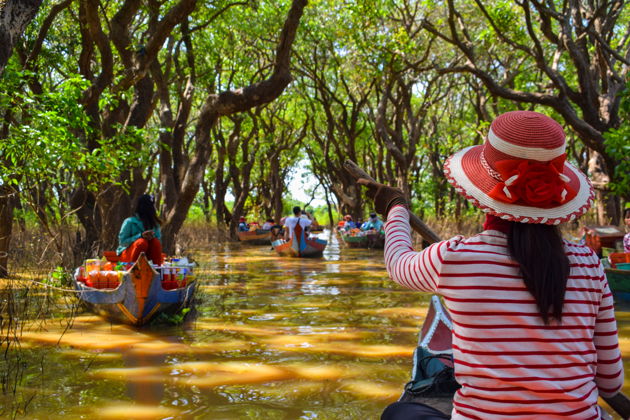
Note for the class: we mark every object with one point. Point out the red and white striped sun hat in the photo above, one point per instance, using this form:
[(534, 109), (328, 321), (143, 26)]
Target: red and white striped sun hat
[(520, 173)]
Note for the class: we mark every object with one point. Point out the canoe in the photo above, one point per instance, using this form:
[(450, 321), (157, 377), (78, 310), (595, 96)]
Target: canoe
[(255, 237), (139, 294), (617, 268), (619, 282), (300, 246), (370, 240), (316, 228), (599, 237), (432, 376)]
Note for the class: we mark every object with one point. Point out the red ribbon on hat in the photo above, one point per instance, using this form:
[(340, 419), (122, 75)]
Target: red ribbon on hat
[(533, 183)]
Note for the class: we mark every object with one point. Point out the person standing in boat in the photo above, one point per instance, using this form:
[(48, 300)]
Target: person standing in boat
[(141, 233), (292, 221), (534, 329)]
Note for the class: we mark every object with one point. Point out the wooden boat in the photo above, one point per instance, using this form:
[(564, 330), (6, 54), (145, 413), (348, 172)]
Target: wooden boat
[(599, 237), (432, 359), (139, 296), (371, 240), (316, 228), (617, 268), (255, 237), (300, 245)]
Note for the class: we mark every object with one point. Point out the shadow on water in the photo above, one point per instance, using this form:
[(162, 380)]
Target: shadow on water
[(327, 338)]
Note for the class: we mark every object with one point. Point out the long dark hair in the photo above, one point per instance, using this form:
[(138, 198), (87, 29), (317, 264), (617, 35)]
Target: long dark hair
[(145, 210), (539, 251)]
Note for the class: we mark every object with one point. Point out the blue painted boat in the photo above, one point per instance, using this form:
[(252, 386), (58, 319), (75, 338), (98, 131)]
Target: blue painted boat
[(139, 297)]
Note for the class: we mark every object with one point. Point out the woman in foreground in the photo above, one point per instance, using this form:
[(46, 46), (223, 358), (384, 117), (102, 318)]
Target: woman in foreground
[(534, 330)]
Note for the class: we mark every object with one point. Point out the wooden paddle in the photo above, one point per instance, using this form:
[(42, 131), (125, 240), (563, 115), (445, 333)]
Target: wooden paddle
[(619, 402)]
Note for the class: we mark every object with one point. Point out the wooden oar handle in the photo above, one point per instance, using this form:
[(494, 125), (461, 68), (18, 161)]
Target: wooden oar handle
[(415, 222), (620, 402)]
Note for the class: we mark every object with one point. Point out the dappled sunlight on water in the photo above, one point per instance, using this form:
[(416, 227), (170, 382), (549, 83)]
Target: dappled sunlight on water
[(272, 338)]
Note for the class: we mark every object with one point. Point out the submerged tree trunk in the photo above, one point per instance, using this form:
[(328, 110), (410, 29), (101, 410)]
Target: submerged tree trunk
[(7, 204)]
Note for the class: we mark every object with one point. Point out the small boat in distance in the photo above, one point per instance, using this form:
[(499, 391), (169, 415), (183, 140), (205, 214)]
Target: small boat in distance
[(255, 237), (617, 268), (300, 245), (370, 240), (138, 295)]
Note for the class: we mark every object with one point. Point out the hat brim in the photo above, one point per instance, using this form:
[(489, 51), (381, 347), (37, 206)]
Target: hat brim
[(467, 175)]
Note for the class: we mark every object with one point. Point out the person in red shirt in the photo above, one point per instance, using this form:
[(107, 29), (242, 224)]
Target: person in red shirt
[(534, 330)]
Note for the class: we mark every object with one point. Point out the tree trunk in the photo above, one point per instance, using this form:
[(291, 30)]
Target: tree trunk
[(14, 16), (7, 204)]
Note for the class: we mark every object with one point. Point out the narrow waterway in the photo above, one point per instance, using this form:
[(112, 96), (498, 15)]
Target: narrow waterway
[(271, 338)]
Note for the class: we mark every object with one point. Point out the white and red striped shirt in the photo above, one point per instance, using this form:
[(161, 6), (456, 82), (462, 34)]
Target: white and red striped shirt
[(509, 363)]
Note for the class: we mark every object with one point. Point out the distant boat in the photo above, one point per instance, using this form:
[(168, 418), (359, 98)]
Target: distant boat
[(139, 294), (300, 245), (375, 240), (617, 268), (255, 237), (316, 228)]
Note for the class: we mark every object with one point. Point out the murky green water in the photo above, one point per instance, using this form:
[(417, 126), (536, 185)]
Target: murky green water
[(272, 338)]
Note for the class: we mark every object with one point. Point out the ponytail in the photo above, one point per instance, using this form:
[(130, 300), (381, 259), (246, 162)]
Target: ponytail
[(539, 251)]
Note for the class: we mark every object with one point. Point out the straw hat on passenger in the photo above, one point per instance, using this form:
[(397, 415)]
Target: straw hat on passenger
[(520, 173)]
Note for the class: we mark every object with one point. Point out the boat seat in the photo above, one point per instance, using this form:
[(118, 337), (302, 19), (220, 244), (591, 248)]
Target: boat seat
[(618, 258)]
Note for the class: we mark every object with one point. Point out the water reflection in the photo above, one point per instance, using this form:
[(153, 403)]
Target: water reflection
[(327, 338)]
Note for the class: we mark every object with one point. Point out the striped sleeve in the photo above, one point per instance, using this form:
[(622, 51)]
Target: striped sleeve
[(411, 269), (609, 377)]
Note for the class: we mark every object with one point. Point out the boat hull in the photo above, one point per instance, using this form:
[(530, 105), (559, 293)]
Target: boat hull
[(300, 246), (370, 241), (138, 299), (619, 282), (255, 237)]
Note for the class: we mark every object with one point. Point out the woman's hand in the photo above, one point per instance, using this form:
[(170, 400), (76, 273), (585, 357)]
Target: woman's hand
[(385, 197), (148, 235)]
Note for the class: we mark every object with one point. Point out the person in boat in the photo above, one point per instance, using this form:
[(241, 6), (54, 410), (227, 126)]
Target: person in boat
[(534, 329), (242, 225), (269, 223), (373, 223), (349, 223), (626, 238), (141, 233), (292, 221)]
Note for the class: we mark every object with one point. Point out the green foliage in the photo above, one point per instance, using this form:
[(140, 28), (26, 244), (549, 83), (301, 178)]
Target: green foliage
[(59, 277), (617, 143), (47, 140)]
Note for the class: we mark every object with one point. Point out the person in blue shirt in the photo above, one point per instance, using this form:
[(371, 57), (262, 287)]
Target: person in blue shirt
[(349, 224), (141, 233), (373, 223), (242, 225)]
